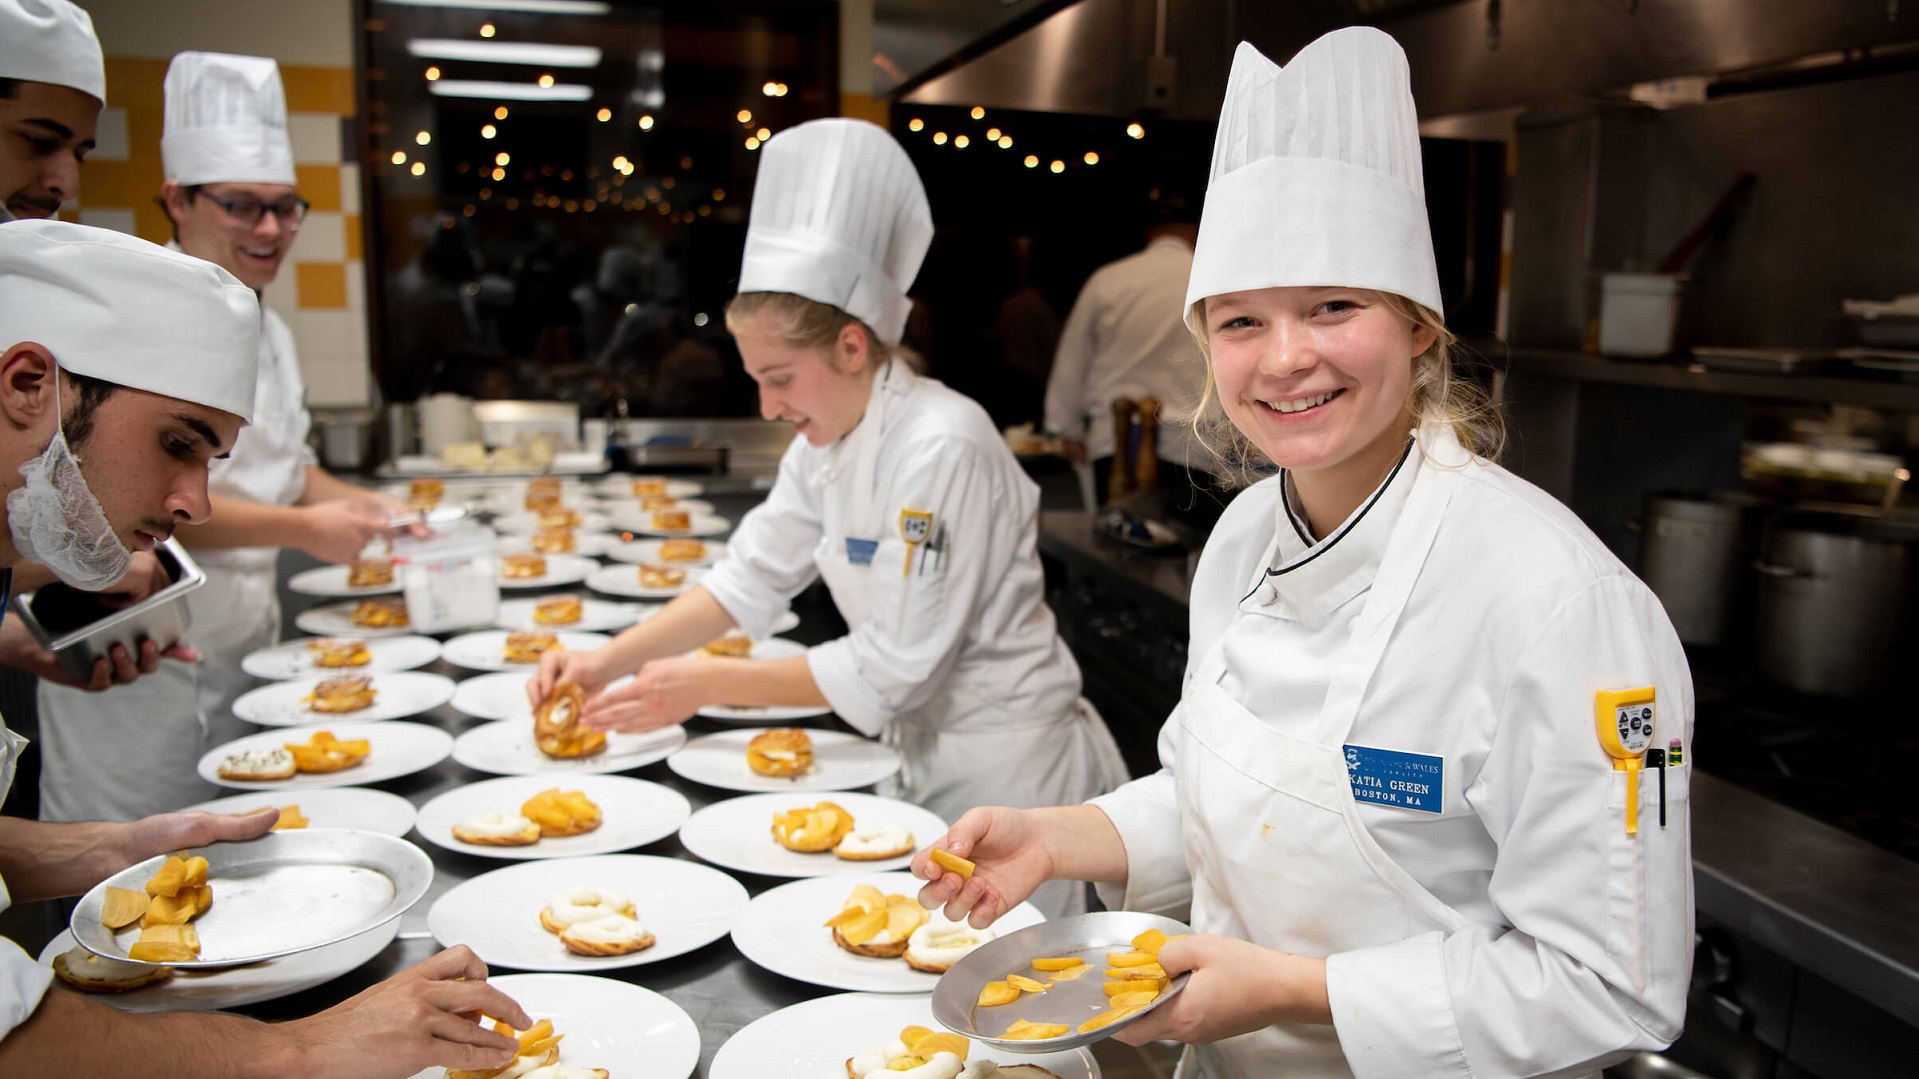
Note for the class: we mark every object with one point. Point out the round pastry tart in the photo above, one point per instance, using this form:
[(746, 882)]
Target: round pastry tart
[(555, 541), (91, 973), (562, 813), (672, 520), (558, 610), (557, 726), (732, 646), (658, 576), (368, 572), (937, 945), (782, 752), (527, 645), (380, 613), (499, 828), (339, 652), (343, 693), (521, 566), (683, 550), (614, 934), (583, 904), (872, 842)]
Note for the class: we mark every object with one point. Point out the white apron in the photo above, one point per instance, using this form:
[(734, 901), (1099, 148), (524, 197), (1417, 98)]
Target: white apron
[(961, 750), (133, 750), (1311, 880)]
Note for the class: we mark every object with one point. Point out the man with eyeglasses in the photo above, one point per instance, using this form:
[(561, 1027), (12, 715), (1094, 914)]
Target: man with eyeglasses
[(231, 193)]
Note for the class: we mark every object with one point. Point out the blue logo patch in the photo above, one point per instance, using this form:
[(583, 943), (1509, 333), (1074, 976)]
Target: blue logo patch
[(859, 552), (1391, 778)]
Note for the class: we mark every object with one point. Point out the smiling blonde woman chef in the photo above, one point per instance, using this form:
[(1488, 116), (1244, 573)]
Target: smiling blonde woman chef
[(1385, 800), (898, 491)]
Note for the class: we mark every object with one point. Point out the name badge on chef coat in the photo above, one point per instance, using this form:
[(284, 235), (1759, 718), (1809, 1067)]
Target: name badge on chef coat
[(859, 552), (1389, 777)]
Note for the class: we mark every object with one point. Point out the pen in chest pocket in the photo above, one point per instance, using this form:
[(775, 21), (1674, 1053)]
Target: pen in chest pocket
[(935, 550)]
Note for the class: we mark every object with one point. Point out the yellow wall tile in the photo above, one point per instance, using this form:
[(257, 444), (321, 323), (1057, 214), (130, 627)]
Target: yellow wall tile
[(322, 284), (151, 222), (120, 183), (318, 89), (351, 223), (864, 107), (135, 84), (319, 185)]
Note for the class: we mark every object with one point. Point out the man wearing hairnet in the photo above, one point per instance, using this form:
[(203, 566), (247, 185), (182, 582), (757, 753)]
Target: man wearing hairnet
[(231, 193), (124, 370)]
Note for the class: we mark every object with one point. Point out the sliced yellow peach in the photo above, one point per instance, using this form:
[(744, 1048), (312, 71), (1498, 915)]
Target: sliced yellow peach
[(901, 920), (1139, 998), (1060, 963), (866, 896), (865, 927), (1070, 973), (1150, 970), (166, 944), (290, 817), (910, 1036), (1134, 985), (844, 916), (171, 877), (1106, 1018), (1150, 941), (952, 863), (122, 907), (1024, 1031), (1020, 981), (942, 1042), (170, 910), (1129, 959), (202, 899), (994, 994)]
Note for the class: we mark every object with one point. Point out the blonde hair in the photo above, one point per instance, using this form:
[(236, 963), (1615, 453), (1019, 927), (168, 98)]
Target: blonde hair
[(1439, 395), (802, 323)]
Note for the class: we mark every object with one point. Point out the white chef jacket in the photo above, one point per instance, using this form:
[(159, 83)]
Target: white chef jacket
[(162, 724), (1519, 616), (957, 662), (1126, 338), (22, 981)]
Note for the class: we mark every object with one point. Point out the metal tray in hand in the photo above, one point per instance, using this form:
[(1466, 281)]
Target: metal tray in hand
[(282, 893), (1089, 936), (78, 628)]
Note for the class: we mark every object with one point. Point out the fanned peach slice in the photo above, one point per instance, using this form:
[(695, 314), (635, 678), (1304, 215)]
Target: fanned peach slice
[(1130, 959), (170, 910), (177, 873), (166, 944), (865, 927), (1024, 1031), (122, 907), (1139, 998), (1030, 985), (994, 994), (1064, 962), (1105, 1018), (1150, 941), (941, 1042), (1070, 973), (1149, 971), (1134, 985)]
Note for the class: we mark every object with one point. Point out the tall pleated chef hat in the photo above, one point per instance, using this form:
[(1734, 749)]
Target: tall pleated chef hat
[(226, 121), (1316, 176), (839, 217), (51, 41), (117, 308)]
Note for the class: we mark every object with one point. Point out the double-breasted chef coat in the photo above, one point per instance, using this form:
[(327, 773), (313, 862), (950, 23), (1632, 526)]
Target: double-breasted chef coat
[(133, 750), (1466, 619), (952, 655)]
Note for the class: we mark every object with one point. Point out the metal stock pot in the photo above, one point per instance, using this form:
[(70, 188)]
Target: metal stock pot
[(1832, 601), (1693, 555)]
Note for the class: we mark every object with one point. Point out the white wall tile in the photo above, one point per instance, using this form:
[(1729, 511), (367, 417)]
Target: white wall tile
[(322, 239), (110, 136), (350, 187), (315, 137), (283, 295), (119, 219)]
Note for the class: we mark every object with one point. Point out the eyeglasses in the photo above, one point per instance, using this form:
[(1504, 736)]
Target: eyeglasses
[(248, 212)]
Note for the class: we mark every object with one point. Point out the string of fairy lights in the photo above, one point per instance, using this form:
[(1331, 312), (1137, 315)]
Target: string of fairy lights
[(1001, 138)]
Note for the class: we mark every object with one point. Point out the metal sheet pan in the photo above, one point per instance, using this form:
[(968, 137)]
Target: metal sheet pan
[(78, 629)]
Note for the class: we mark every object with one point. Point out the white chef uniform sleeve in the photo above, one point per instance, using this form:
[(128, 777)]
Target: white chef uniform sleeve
[(1065, 407), (1596, 962), (1145, 812), (769, 557), (22, 981), (917, 622)]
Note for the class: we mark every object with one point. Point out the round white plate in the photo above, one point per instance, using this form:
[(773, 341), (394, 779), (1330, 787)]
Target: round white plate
[(398, 749), (295, 660), (356, 808), (336, 620), (494, 696), (625, 581), (481, 651), (596, 615), (628, 513), (813, 1039), (620, 485), (507, 749), (331, 581), (685, 905), (526, 522), (625, 1029), (701, 525), (230, 987), (782, 931), (560, 569), (840, 762), (633, 813), (762, 715), (737, 834), (396, 694), (634, 552), (584, 543)]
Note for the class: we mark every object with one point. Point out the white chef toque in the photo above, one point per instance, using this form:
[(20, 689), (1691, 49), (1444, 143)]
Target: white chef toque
[(1316, 176), (51, 41), (117, 308), (226, 121), (839, 217)]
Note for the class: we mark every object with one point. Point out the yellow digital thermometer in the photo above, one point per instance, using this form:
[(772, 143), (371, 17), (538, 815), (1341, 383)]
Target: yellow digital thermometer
[(915, 527), (1624, 718)]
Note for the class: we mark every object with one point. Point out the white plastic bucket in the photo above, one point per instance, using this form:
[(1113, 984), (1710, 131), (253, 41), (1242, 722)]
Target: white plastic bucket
[(1637, 312)]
